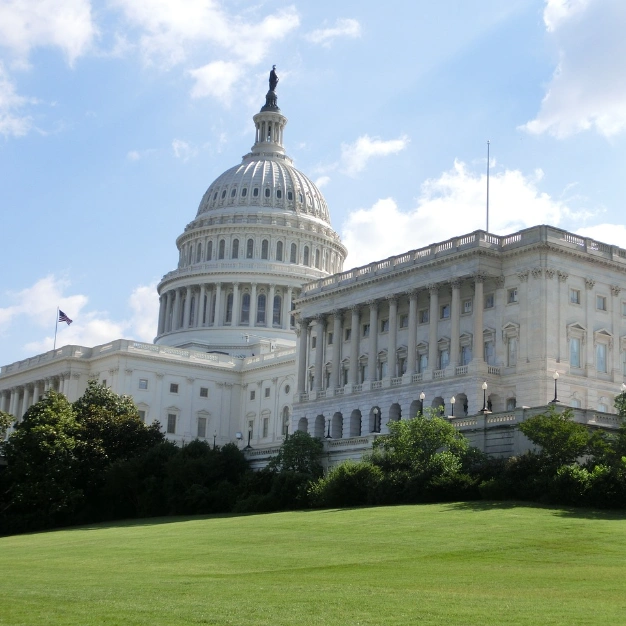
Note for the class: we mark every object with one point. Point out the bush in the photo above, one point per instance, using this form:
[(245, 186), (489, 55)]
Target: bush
[(348, 484)]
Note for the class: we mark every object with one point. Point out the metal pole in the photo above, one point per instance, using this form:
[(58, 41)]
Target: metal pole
[(488, 185)]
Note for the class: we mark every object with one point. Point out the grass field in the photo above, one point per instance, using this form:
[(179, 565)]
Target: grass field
[(440, 564)]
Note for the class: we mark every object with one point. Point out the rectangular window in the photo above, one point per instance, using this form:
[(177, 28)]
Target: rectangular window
[(422, 364), (142, 415), (382, 370), (252, 395), (511, 296), (601, 303), (204, 392), (423, 316), (366, 330), (489, 301), (330, 339), (624, 309), (401, 367), (574, 352), (601, 357), (466, 355), (490, 353), (512, 351), (511, 403), (173, 387), (201, 427), (104, 382), (171, 424), (313, 342), (363, 373), (444, 358), (444, 312), (143, 383), (404, 321), (346, 375), (266, 426), (384, 326), (267, 392), (348, 334), (467, 306), (574, 296), (251, 428)]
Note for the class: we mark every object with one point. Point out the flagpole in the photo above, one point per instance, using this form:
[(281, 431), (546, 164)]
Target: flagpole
[(487, 185), (56, 325)]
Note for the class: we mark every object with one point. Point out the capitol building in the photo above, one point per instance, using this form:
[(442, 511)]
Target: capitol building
[(261, 332)]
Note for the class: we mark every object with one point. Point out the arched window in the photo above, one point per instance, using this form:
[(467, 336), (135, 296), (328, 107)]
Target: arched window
[(290, 195), (306, 255), (222, 249), (250, 249), (255, 192), (245, 309), (265, 249), (260, 309), (286, 421), (279, 193), (277, 310), (267, 192), (327, 262), (215, 196), (235, 253), (229, 309), (233, 193), (279, 251), (199, 253), (223, 194), (317, 259), (209, 251), (293, 258), (244, 192)]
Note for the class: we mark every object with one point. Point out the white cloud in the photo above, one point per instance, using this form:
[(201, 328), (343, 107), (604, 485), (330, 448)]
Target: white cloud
[(588, 88), (183, 150), (342, 28), (322, 181), (354, 156), (12, 122), (137, 155), (65, 24), (216, 80), (614, 234), (452, 204)]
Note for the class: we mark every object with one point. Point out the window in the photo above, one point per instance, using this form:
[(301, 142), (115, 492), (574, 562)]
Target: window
[(603, 407), (223, 194), (201, 427), (235, 252), (266, 426), (489, 301), (251, 428), (255, 192), (574, 352), (444, 358), (233, 193), (601, 303), (317, 259), (346, 375), (252, 394), (229, 309), (260, 311), (575, 403), (423, 316), (276, 313), (250, 249), (199, 253), (245, 309), (306, 255), (363, 373), (244, 192), (404, 321), (209, 251), (267, 192), (293, 256), (142, 415), (422, 363), (290, 195), (511, 296), (267, 392), (330, 339), (511, 403), (143, 383), (366, 330), (279, 193), (466, 355), (467, 306), (347, 334), (624, 309), (601, 357), (279, 251), (204, 392), (173, 387), (384, 326), (104, 382), (402, 366), (511, 351), (444, 312), (574, 296), (382, 370), (171, 423), (265, 249), (490, 352), (222, 249), (313, 342)]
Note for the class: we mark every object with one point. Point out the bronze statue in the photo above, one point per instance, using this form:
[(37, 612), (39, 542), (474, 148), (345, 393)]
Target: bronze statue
[(273, 78)]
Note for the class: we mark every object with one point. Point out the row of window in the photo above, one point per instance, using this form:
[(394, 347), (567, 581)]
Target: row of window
[(256, 193), (143, 386), (601, 356), (575, 297)]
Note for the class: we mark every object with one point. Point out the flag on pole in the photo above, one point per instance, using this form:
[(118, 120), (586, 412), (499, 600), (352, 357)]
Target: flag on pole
[(64, 318)]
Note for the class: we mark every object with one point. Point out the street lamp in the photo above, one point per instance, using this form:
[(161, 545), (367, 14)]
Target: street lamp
[(452, 401), (485, 410), (422, 397), (328, 435), (376, 411), (249, 447), (214, 437), (556, 377)]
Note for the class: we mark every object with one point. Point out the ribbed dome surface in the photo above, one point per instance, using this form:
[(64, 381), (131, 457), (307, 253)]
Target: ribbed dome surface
[(267, 181)]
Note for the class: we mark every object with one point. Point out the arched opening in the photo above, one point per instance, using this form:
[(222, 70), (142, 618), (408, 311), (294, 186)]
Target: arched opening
[(260, 311), (317, 259), (375, 419), (199, 253), (415, 409), (250, 249), (235, 254), (245, 309), (303, 425), (336, 426), (438, 404), (229, 309), (279, 251), (277, 311), (355, 423), (395, 412), (320, 422), (494, 403), (293, 257), (461, 408), (306, 255), (209, 251), (222, 249), (265, 246)]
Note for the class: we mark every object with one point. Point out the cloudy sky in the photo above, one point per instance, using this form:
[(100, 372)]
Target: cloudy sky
[(116, 115)]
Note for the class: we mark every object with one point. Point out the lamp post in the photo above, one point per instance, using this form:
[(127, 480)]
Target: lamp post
[(248, 447), (484, 410), (376, 411), (422, 397), (214, 437), (328, 434), (452, 401), (556, 377)]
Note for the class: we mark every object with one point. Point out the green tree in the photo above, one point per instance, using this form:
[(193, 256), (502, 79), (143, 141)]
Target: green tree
[(5, 422), (299, 453), (620, 404)]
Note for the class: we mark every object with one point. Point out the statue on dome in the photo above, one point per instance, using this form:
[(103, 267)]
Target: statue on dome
[(273, 78)]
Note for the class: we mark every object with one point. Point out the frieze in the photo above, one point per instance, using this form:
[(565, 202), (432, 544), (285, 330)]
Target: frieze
[(563, 276), (537, 272), (590, 283)]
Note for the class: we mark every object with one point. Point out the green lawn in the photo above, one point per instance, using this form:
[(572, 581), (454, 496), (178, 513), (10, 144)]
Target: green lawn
[(440, 564)]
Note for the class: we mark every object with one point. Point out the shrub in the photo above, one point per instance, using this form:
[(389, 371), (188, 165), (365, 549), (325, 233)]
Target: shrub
[(348, 484)]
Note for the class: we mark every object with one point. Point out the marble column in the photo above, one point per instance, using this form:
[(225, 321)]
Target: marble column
[(320, 326), (36, 391), (176, 311), (616, 311), (168, 312), (354, 345), (162, 304), (393, 337), (433, 321), (253, 304), (269, 308), (412, 341), (287, 309), (236, 307), (478, 348), (455, 322), (337, 336), (187, 307), (372, 360), (302, 333), (217, 318), (202, 307)]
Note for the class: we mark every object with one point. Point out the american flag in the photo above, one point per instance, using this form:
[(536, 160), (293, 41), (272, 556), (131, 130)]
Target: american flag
[(64, 318)]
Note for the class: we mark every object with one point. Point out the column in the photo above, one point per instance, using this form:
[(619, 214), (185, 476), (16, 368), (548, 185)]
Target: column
[(236, 311), (176, 311), (354, 346), (320, 325), (196, 307), (372, 359), (393, 337), (455, 322), (217, 319), (4, 401), (433, 323), (590, 314), (187, 307), (162, 303), (337, 336), (478, 348), (302, 332), (616, 312), (563, 352), (253, 304), (269, 308), (168, 309), (201, 307), (13, 401), (36, 392), (287, 309), (412, 343)]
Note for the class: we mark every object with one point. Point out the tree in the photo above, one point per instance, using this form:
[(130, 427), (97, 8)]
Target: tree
[(5, 422), (299, 453), (620, 404)]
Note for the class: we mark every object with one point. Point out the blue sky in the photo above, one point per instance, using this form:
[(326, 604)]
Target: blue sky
[(115, 116)]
